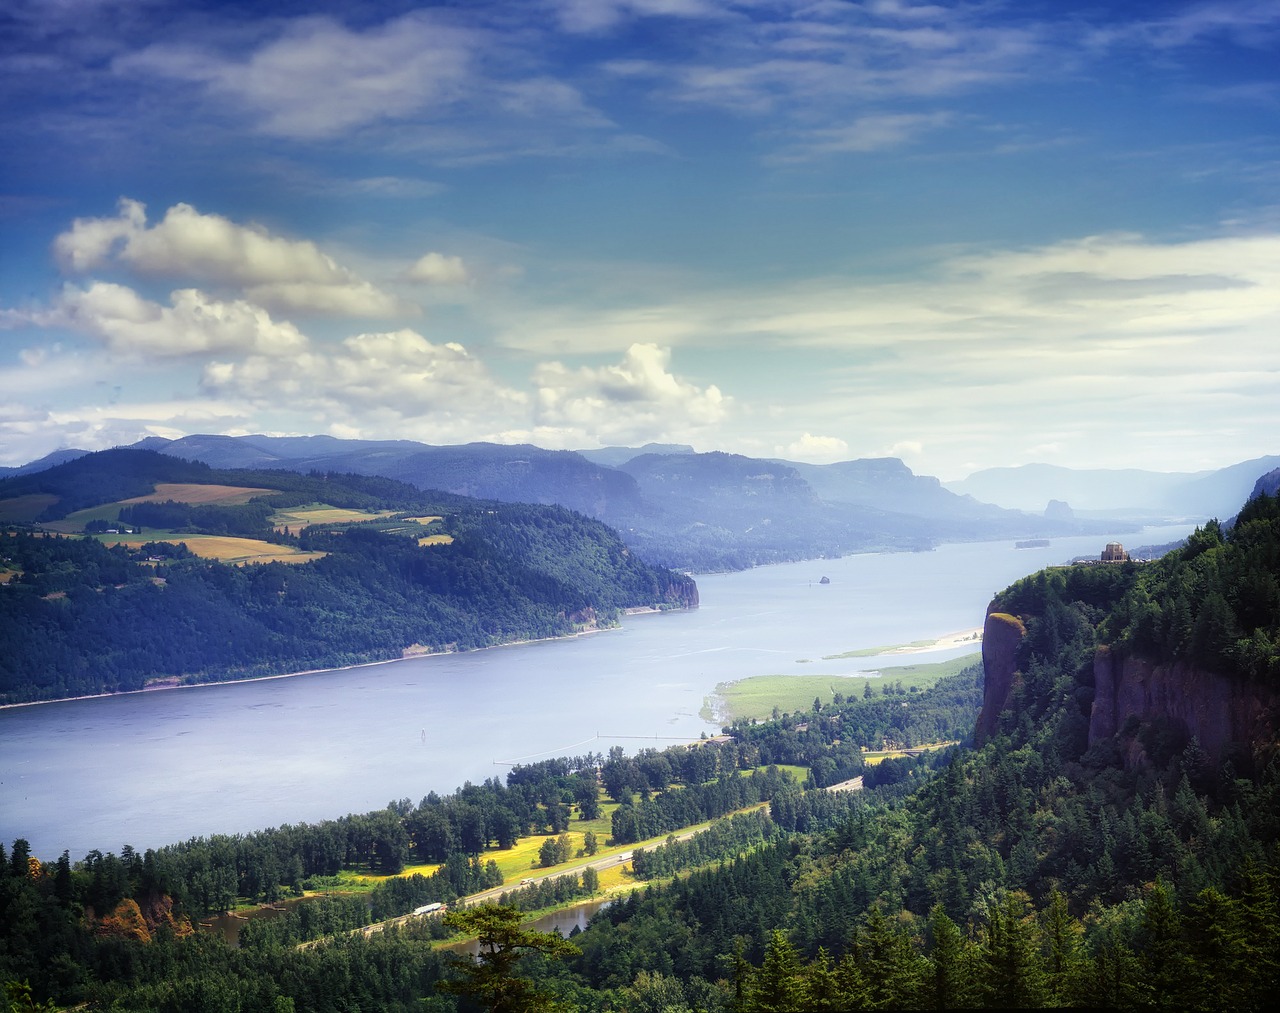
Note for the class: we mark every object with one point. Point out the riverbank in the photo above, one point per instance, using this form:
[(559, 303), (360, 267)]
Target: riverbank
[(412, 653)]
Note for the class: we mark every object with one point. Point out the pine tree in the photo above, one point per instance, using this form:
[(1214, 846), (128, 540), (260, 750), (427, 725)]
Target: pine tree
[(491, 979), (779, 986), (951, 983)]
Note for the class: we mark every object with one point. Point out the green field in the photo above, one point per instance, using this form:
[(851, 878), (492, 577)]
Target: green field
[(757, 696)]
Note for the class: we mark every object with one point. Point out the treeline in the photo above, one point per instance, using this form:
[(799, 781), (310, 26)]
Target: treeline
[(725, 838), (1036, 869), (554, 891), (580, 552), (248, 520), (673, 809)]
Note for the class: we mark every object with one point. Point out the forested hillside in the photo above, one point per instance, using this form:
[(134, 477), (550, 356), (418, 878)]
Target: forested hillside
[(424, 573)]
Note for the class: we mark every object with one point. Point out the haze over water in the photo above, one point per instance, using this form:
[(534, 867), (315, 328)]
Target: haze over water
[(156, 768)]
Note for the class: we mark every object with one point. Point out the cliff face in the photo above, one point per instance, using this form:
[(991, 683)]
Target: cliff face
[(1217, 710), (1001, 634)]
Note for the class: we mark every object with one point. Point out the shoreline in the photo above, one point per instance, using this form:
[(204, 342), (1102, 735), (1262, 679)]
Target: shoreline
[(960, 638), (166, 683), (949, 640)]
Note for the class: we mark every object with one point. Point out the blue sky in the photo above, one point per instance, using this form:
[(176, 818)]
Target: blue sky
[(963, 234)]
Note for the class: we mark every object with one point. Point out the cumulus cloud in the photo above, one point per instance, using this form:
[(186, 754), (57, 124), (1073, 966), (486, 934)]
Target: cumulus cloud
[(28, 433), (397, 373), (271, 270), (816, 449), (636, 399), (439, 269), (193, 324)]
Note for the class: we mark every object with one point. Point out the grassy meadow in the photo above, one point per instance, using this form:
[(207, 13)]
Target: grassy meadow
[(757, 696)]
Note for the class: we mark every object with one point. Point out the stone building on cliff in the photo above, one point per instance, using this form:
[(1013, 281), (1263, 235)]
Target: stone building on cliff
[(1114, 553)]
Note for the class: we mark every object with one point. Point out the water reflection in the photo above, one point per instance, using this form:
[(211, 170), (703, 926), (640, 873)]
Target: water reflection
[(563, 921)]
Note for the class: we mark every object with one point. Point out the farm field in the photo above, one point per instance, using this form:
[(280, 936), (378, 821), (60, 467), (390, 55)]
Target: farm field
[(25, 509), (321, 513), (178, 492), (200, 495), (224, 548)]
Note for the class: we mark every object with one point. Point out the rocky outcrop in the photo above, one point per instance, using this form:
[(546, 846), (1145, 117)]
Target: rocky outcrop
[(1227, 715), (1224, 714), (1001, 634), (1268, 484)]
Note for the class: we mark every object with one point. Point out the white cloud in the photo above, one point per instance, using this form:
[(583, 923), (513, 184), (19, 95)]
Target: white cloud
[(594, 16), (281, 273), (1253, 23), (192, 325), (821, 60), (637, 399), (815, 449), (393, 375), (439, 269), (319, 79), (864, 134), (91, 241), (1081, 337), (28, 433)]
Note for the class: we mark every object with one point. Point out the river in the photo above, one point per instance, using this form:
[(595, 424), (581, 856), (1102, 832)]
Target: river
[(149, 769)]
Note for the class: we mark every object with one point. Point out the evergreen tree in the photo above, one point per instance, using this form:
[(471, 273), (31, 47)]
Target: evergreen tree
[(491, 979)]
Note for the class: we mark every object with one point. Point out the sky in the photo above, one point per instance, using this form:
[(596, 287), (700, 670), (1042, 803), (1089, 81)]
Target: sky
[(966, 235)]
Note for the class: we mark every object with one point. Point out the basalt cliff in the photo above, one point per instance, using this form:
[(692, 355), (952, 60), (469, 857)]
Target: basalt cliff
[(1127, 698), (1225, 714)]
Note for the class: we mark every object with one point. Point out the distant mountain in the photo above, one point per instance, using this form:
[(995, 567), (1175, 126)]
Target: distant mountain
[(1150, 495), (887, 484), (517, 473), (615, 457), (682, 509), (46, 462)]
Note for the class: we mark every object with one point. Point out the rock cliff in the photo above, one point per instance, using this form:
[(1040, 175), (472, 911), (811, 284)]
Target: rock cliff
[(1001, 634), (1227, 715)]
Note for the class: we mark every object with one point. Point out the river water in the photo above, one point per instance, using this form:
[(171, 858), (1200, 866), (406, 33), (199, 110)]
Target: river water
[(150, 769)]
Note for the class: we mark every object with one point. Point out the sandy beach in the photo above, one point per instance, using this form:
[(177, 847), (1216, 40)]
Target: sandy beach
[(957, 639)]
